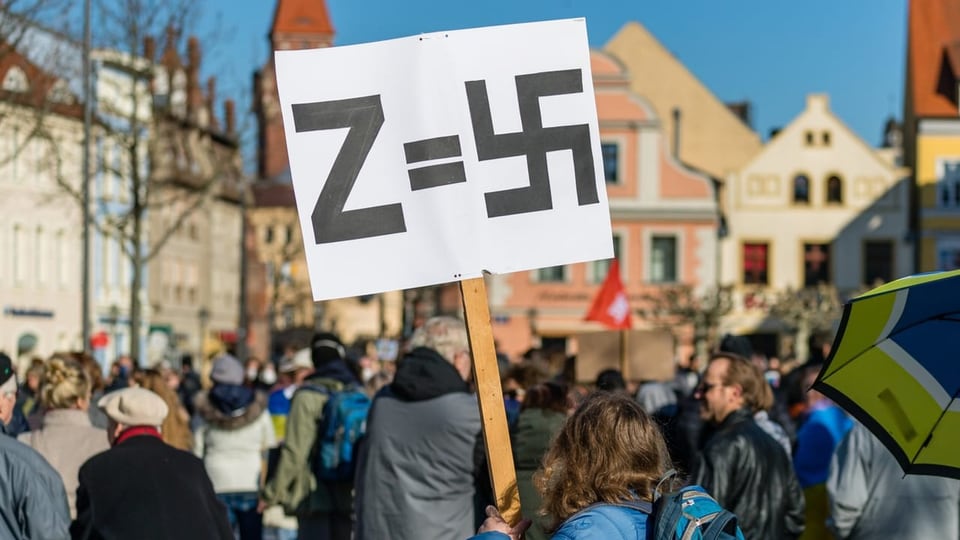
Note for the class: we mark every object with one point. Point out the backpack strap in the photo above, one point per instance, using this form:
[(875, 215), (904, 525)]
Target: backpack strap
[(641, 506), (724, 525)]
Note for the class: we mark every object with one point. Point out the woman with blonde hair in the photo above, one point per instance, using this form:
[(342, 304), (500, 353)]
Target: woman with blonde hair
[(607, 459), (175, 429), (66, 438)]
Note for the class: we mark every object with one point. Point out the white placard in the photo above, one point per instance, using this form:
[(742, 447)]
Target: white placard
[(434, 158)]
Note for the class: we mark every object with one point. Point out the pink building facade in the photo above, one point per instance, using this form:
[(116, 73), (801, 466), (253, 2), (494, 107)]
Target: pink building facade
[(664, 221)]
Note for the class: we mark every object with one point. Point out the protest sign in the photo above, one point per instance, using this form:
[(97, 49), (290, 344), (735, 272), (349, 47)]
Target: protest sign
[(448, 154)]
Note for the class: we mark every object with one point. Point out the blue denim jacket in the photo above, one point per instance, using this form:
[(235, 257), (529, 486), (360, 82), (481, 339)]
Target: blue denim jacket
[(601, 522)]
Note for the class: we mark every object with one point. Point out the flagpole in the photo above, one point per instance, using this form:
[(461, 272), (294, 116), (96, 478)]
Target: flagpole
[(623, 354)]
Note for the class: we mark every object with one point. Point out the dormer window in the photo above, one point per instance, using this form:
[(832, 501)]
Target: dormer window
[(59, 93), (15, 80)]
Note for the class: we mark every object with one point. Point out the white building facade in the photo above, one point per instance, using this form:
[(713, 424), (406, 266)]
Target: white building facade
[(817, 206)]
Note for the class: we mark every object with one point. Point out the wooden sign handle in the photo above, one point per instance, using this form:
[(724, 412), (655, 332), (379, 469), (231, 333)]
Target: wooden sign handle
[(486, 373)]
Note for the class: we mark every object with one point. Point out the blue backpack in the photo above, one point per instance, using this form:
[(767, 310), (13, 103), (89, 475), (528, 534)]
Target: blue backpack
[(339, 430), (689, 513)]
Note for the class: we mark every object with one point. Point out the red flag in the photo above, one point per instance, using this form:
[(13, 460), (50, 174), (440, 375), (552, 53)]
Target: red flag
[(611, 306)]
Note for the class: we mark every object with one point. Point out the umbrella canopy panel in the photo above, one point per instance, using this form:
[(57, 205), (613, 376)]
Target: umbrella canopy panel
[(894, 366)]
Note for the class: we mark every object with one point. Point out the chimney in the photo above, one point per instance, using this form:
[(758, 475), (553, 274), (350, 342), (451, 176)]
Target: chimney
[(741, 109), (194, 96), (150, 48), (228, 117), (210, 101), (676, 133), (170, 59)]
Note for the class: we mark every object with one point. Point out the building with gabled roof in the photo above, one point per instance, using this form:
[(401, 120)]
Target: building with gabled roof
[(932, 131), (817, 206), (713, 136)]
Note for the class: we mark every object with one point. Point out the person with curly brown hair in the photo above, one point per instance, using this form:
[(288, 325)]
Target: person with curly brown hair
[(66, 438), (606, 461)]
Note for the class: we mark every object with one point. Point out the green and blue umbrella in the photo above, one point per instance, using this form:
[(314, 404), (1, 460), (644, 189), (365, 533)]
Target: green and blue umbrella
[(895, 366)]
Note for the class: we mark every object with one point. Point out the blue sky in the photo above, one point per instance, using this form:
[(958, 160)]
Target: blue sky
[(771, 53)]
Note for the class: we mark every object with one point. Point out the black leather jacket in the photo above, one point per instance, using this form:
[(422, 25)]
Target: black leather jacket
[(748, 473)]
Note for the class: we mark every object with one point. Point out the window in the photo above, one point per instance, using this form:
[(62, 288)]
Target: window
[(611, 170), (18, 251), (663, 259), (801, 189), (834, 190), (948, 184), (877, 262), (15, 80), (60, 258), (59, 93), (600, 268), (756, 263), (268, 234), (948, 254), (38, 257), (14, 155), (289, 233), (554, 274), (816, 264), (808, 137), (826, 138)]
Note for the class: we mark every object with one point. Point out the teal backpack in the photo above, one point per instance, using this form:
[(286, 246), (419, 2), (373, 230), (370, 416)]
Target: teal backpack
[(689, 513), (339, 430)]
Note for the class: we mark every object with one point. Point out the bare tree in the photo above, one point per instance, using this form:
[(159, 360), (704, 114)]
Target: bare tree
[(806, 312), (170, 156), (681, 305)]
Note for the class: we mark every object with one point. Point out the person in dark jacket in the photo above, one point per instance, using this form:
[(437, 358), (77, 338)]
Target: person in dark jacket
[(743, 467), (545, 408), (142, 488), (417, 460)]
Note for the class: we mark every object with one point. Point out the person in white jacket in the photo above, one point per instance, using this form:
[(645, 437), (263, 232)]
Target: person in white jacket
[(870, 497), (232, 441)]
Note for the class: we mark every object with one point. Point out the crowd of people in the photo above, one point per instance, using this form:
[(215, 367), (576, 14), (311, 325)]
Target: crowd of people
[(235, 452)]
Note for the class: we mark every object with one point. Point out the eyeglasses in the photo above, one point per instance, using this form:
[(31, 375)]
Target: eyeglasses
[(705, 387)]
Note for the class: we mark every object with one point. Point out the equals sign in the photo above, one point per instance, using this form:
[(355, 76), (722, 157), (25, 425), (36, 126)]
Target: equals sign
[(434, 175)]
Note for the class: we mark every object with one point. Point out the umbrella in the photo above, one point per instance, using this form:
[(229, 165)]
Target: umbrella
[(894, 366)]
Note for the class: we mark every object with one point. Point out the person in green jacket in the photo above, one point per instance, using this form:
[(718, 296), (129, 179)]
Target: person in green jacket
[(544, 411), (323, 508)]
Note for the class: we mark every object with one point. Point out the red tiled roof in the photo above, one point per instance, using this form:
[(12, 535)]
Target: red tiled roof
[(933, 55), (302, 17)]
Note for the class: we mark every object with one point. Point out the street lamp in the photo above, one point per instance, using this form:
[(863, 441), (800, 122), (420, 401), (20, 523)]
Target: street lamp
[(203, 315)]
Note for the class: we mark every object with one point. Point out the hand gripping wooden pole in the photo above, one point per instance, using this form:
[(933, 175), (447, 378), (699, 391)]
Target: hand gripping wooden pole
[(486, 373)]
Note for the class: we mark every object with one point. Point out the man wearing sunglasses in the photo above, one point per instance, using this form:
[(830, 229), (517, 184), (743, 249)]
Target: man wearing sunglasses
[(744, 468)]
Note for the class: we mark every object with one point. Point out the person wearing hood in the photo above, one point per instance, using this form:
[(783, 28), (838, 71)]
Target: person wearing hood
[(232, 440), (323, 508), (422, 431)]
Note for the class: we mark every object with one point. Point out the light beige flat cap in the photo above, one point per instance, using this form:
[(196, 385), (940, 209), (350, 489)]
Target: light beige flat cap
[(134, 407)]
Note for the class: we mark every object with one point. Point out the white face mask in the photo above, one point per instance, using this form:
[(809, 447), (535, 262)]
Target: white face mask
[(268, 377), (252, 374)]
